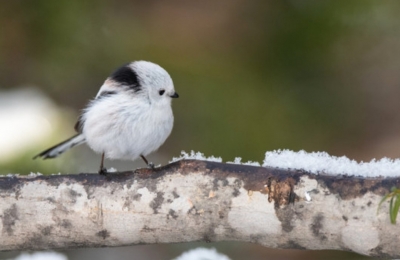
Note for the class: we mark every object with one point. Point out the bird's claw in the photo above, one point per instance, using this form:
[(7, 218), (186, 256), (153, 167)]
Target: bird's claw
[(103, 171), (151, 165)]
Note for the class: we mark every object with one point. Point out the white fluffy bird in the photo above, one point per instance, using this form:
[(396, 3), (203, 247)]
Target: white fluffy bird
[(130, 116)]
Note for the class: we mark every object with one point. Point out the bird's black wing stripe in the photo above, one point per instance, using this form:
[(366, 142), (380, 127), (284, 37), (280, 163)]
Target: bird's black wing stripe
[(126, 76)]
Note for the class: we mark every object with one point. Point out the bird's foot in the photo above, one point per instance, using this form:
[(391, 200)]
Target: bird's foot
[(103, 171), (151, 165)]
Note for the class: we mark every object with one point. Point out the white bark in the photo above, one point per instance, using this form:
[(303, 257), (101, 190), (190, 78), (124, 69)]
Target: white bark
[(194, 201)]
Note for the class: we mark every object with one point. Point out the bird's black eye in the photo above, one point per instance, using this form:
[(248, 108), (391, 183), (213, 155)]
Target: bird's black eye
[(161, 92)]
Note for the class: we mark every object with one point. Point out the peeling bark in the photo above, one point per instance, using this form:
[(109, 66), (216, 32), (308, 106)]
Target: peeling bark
[(198, 201)]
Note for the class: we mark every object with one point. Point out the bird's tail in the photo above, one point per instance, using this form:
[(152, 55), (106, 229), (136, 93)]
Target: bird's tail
[(62, 147)]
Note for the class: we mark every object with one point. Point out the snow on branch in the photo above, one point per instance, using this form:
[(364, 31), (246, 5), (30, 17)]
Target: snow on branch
[(194, 200)]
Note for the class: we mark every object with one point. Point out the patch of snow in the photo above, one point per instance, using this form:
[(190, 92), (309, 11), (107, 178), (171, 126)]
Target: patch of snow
[(238, 160), (112, 169), (195, 156), (322, 162), (202, 254)]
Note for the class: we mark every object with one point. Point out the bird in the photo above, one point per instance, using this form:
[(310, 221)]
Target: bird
[(130, 117)]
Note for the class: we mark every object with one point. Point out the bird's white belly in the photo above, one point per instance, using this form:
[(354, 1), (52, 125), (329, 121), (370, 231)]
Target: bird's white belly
[(125, 132)]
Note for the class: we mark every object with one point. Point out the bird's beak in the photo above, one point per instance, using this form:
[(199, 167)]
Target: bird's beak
[(175, 95)]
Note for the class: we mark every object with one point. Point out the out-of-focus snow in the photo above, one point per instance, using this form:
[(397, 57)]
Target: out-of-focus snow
[(11, 175), (24, 120), (202, 254), (32, 174), (195, 156), (322, 162), (41, 256)]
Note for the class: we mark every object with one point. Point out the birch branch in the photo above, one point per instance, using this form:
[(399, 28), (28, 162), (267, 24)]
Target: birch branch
[(198, 201)]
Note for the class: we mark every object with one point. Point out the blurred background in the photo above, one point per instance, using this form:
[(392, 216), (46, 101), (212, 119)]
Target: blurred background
[(252, 76)]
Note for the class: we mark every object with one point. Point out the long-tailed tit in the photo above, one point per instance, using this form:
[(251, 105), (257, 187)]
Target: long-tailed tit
[(130, 116)]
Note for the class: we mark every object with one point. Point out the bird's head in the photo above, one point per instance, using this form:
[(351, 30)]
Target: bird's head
[(147, 79)]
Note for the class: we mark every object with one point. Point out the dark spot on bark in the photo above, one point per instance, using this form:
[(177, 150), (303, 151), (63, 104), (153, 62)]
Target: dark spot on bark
[(103, 233), (298, 214), (137, 197), (317, 226), (51, 199), (17, 193), (215, 184), (369, 203), (127, 204), (169, 200), (175, 194), (345, 218), (355, 217), (291, 245), (221, 214), (65, 224), (36, 241), (10, 216), (285, 215), (148, 183), (46, 230), (89, 191), (147, 229), (129, 183), (378, 252), (157, 202), (257, 238), (173, 214), (237, 183), (209, 236), (192, 210), (73, 195), (216, 181), (235, 192)]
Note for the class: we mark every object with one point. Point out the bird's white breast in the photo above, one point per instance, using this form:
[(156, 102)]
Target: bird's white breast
[(125, 127)]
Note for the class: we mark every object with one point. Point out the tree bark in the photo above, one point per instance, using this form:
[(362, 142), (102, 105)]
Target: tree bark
[(194, 200)]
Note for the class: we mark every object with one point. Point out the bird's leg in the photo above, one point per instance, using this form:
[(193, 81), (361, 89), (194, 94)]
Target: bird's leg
[(102, 170), (150, 165)]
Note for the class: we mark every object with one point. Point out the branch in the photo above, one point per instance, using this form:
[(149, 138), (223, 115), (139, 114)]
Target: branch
[(195, 201)]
